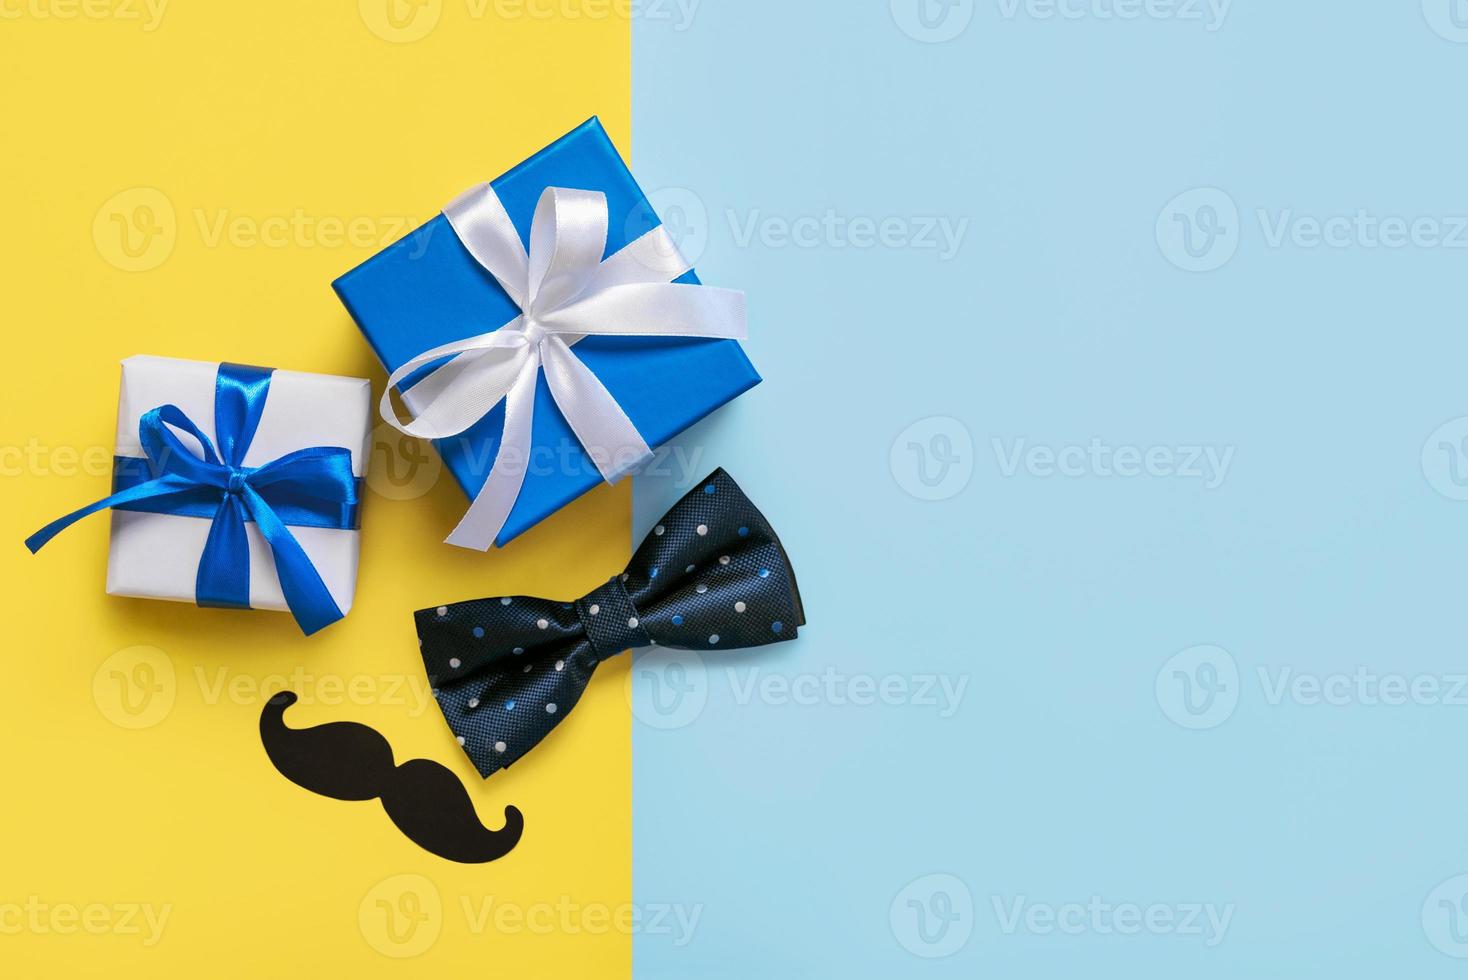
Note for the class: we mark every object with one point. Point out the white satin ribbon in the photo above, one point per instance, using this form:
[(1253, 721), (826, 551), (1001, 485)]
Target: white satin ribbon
[(565, 292)]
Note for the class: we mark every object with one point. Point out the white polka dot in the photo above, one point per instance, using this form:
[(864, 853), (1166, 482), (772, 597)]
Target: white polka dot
[(659, 530), (690, 569), (443, 611), (702, 530), (456, 663), (714, 638), (632, 623), (505, 600), (724, 560), (542, 623), (626, 576), (529, 668), (560, 665), (740, 607), (500, 747), (595, 609), (701, 589), (460, 740), (473, 703), (550, 709), (518, 650)]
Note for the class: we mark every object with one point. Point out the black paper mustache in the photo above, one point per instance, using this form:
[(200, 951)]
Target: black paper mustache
[(349, 761)]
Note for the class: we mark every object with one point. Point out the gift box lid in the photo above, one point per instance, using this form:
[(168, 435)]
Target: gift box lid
[(427, 290)]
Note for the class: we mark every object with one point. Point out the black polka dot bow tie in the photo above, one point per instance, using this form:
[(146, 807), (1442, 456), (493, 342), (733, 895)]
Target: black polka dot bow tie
[(711, 576)]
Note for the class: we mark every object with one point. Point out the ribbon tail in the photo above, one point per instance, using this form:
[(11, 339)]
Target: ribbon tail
[(491, 507), (306, 595), (223, 579), (603, 429), (160, 487), (461, 392)]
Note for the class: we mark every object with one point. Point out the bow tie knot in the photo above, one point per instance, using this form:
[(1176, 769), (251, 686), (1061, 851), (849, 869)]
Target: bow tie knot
[(611, 621)]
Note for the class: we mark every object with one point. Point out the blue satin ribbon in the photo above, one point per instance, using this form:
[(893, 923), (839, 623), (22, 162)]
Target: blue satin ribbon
[(308, 488)]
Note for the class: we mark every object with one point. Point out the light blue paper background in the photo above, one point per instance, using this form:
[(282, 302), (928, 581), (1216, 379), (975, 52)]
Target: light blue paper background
[(820, 839)]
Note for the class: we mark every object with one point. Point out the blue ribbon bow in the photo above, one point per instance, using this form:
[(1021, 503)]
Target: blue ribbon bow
[(308, 488)]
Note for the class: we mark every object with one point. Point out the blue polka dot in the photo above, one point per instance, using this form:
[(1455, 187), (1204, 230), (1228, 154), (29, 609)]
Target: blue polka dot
[(776, 626), (744, 532), (509, 706), (677, 620), (710, 489), (653, 573), (479, 632), (764, 573)]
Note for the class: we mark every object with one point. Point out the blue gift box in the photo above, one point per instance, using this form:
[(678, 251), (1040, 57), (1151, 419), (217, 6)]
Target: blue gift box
[(427, 290)]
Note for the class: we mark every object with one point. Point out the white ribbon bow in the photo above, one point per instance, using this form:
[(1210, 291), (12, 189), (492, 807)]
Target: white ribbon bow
[(565, 292)]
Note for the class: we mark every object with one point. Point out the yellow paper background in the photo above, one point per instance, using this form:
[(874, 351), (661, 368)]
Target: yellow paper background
[(251, 153)]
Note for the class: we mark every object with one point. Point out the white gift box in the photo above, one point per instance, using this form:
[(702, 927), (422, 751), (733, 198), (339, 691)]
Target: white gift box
[(156, 556)]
